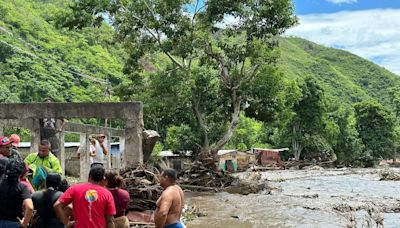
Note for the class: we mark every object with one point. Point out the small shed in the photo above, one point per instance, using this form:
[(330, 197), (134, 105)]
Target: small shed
[(244, 159), (228, 160), (176, 160), (269, 156)]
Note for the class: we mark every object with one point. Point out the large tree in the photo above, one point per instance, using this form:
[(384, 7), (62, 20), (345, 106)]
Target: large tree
[(216, 47), (307, 127), (375, 124)]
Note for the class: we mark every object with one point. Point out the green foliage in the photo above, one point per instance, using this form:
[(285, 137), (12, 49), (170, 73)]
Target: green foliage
[(349, 147), (375, 124), (180, 138), (212, 65), (249, 134), (38, 61)]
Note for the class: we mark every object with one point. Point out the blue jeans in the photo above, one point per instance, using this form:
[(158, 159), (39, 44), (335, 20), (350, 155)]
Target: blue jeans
[(9, 224)]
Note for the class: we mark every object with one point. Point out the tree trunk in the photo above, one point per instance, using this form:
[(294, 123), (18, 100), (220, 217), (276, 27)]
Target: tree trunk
[(296, 145), (205, 144), (236, 101)]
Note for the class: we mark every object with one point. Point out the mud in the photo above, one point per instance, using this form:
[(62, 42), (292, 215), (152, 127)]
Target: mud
[(306, 198)]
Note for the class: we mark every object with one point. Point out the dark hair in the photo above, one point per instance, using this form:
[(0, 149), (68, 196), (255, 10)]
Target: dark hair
[(171, 174), (45, 142), (14, 169), (53, 180), (96, 173), (114, 180), (63, 185)]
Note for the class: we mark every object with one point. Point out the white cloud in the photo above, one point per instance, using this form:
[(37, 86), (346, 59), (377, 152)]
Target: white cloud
[(342, 1), (372, 34)]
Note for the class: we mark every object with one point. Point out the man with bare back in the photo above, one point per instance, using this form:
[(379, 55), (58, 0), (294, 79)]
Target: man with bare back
[(170, 203)]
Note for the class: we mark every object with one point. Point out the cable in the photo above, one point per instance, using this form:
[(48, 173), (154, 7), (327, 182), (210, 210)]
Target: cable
[(104, 82)]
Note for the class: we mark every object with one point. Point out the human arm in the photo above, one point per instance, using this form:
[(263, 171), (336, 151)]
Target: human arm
[(161, 213), (110, 210), (92, 151), (110, 221), (27, 205), (60, 209), (105, 150), (28, 213), (30, 161), (55, 165)]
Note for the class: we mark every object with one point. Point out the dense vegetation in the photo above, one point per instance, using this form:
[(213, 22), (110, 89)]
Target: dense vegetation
[(320, 102)]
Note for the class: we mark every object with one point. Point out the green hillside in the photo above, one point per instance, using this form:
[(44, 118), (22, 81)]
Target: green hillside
[(343, 75), (37, 60)]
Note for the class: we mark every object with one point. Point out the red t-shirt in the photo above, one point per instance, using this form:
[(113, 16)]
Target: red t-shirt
[(121, 199), (91, 203)]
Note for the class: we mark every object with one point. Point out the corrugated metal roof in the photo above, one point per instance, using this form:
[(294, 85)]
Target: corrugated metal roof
[(222, 152)]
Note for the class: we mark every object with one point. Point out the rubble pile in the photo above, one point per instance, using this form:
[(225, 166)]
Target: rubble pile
[(201, 176), (143, 187), (389, 174)]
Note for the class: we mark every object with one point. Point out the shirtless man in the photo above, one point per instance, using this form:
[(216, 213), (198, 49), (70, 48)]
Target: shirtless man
[(170, 203)]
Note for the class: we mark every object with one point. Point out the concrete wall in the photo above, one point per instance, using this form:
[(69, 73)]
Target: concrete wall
[(27, 115)]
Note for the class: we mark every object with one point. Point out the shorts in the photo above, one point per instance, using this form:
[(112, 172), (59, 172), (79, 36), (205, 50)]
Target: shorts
[(175, 225)]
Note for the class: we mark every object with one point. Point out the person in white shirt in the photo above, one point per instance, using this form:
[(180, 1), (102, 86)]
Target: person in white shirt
[(100, 149)]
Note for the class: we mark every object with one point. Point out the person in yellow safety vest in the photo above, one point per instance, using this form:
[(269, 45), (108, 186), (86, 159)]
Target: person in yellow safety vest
[(41, 164)]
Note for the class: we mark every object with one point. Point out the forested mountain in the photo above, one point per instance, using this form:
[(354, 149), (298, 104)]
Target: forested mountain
[(37, 60), (343, 75)]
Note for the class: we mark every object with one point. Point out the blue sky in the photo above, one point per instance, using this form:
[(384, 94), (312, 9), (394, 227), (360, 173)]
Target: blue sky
[(368, 28), (332, 6)]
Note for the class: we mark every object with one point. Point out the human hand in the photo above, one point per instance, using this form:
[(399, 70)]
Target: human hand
[(70, 224), (21, 222)]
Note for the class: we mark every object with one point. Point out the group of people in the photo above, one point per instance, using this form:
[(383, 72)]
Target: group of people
[(36, 185)]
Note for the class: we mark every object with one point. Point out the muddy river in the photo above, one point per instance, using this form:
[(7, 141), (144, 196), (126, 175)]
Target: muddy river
[(305, 198)]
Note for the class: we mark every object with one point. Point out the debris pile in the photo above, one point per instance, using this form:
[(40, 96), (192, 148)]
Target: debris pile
[(251, 183), (389, 174), (143, 187), (201, 176)]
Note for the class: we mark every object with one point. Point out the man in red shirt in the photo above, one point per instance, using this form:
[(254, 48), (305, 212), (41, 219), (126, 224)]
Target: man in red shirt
[(93, 205)]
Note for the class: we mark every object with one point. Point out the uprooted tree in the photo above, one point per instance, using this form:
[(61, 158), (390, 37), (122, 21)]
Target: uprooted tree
[(213, 50)]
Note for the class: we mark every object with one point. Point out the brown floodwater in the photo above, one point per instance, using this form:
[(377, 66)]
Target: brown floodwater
[(304, 198)]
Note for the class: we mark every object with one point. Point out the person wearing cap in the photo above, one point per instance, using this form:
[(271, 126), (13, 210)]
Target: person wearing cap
[(16, 207), (101, 149), (42, 163), (15, 140), (5, 147)]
